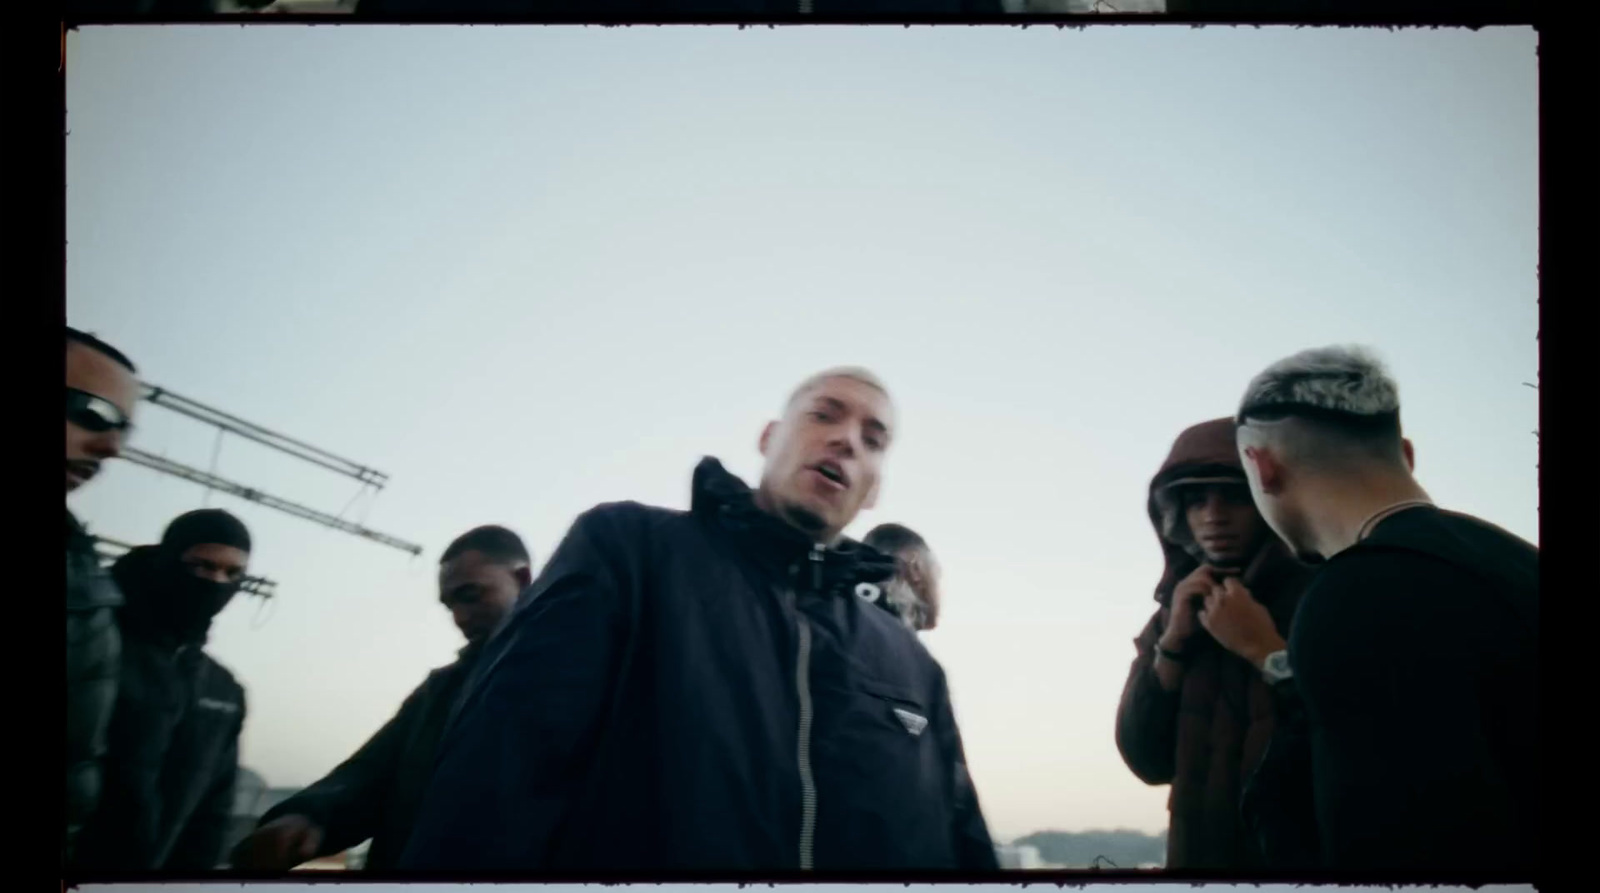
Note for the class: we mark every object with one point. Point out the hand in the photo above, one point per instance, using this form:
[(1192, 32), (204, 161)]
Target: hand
[(279, 845), (1186, 599), (1240, 623)]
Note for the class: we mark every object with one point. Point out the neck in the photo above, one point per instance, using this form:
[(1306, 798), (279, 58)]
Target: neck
[(1350, 505), (770, 506)]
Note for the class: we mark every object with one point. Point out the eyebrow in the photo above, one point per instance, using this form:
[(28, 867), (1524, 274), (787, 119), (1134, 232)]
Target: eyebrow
[(459, 588), (837, 404), (216, 565)]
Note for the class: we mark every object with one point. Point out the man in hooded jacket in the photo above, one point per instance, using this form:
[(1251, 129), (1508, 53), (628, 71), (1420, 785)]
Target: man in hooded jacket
[(1195, 714), (174, 740), (712, 689)]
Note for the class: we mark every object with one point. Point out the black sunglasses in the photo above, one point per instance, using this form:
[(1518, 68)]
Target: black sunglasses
[(95, 413)]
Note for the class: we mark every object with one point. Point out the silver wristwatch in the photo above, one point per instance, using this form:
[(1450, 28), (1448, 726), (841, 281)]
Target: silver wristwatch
[(1276, 667)]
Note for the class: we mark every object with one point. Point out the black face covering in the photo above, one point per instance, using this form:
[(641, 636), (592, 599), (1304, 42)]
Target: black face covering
[(185, 604)]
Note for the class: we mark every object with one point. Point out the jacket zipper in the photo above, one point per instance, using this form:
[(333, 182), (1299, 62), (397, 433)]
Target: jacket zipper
[(802, 683)]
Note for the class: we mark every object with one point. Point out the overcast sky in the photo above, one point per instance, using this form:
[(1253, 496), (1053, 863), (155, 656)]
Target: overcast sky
[(527, 270)]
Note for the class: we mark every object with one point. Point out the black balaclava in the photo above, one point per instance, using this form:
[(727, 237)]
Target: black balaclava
[(186, 604)]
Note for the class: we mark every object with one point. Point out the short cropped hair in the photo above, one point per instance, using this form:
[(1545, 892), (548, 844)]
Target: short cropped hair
[(907, 547), (1326, 404), (95, 344), (499, 544), (892, 539), (856, 373)]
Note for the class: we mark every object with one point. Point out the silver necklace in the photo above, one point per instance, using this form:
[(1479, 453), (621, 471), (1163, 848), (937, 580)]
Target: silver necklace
[(1386, 511)]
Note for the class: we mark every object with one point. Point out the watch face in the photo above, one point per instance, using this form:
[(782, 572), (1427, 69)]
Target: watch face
[(1276, 666)]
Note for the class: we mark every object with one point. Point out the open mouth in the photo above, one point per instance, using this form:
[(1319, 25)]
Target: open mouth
[(832, 472)]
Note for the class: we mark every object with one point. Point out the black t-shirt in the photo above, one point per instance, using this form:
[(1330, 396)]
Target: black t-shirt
[(1415, 654)]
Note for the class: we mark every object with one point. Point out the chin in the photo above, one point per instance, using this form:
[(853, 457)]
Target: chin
[(1229, 559), (806, 515)]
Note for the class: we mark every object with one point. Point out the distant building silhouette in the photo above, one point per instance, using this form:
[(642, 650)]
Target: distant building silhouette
[(1018, 857)]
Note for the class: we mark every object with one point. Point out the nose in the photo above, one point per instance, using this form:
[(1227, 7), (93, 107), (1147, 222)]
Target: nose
[(1212, 509), (106, 445), (849, 439)]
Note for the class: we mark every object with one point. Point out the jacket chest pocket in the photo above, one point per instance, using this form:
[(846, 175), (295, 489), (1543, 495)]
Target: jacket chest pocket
[(876, 726), (895, 707)]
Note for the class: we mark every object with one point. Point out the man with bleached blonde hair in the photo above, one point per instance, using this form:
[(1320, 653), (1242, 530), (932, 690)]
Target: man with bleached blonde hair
[(1415, 649), (710, 690)]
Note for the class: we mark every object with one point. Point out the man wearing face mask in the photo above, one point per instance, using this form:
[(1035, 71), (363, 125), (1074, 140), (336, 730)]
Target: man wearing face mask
[(374, 794), (174, 740)]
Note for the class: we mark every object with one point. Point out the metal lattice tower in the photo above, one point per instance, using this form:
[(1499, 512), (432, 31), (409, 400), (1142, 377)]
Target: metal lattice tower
[(229, 423)]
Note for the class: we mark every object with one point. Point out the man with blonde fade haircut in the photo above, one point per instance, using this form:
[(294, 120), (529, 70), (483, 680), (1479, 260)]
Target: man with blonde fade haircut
[(709, 690), (1414, 653)]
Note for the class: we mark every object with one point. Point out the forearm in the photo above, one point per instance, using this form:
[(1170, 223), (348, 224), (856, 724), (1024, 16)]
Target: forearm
[(1256, 652), (348, 802), (1147, 723), (1168, 672)]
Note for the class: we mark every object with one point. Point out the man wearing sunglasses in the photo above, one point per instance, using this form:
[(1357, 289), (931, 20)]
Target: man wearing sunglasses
[(101, 390), (174, 739)]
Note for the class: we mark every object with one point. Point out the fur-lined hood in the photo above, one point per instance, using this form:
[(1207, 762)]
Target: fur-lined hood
[(1206, 452)]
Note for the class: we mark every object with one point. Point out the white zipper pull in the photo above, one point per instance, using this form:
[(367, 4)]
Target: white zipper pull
[(817, 553)]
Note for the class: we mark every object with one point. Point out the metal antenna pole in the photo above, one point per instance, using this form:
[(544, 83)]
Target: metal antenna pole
[(176, 469), (260, 586), (251, 431)]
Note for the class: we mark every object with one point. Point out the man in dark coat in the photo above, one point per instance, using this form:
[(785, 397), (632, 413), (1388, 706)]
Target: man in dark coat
[(1197, 711), (101, 391), (1415, 652), (174, 741), (710, 690), (913, 593), (374, 794)]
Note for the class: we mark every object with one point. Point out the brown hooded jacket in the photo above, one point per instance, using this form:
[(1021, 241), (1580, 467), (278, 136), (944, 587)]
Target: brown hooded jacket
[(1207, 737)]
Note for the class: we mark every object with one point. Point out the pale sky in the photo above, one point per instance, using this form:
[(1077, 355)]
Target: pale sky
[(525, 270)]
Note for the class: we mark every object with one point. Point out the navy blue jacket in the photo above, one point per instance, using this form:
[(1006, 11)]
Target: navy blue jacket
[(702, 690)]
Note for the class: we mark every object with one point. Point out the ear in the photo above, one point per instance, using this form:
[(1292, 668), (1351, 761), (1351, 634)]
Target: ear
[(766, 437), (1268, 471), (872, 497), (524, 575), (1410, 453)]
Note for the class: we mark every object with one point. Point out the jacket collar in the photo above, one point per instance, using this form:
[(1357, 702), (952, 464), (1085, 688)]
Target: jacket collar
[(727, 502)]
